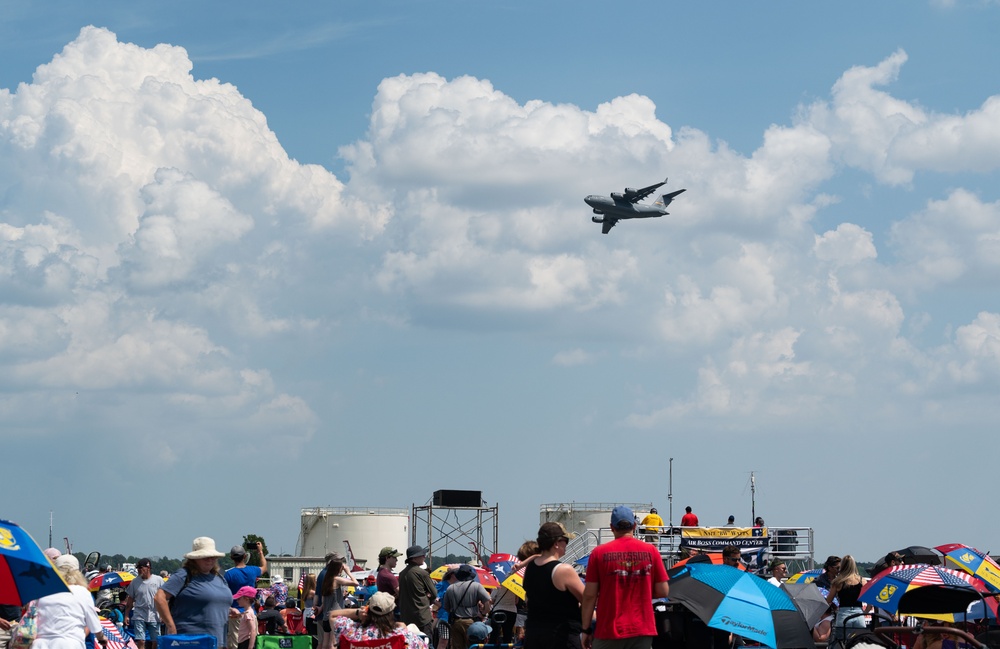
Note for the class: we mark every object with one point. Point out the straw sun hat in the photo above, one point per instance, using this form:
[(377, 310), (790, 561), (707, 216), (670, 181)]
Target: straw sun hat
[(203, 547)]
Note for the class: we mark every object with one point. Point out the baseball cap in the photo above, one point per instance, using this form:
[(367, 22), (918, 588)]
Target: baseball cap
[(622, 518), (388, 551), (478, 631), (143, 563), (246, 591), (237, 551), (553, 531), (382, 603)]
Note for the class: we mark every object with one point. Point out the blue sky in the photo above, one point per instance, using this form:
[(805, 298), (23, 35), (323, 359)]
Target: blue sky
[(337, 254)]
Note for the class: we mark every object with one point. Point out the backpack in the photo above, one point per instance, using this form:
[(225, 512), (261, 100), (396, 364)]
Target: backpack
[(23, 633)]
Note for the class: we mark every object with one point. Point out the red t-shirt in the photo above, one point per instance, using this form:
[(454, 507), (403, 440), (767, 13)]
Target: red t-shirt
[(625, 571), (689, 520)]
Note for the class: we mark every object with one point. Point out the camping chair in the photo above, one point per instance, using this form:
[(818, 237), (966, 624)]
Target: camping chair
[(852, 636), (964, 637), (392, 642)]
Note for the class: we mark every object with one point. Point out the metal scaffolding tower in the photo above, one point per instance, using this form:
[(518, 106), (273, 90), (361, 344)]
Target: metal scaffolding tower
[(454, 526)]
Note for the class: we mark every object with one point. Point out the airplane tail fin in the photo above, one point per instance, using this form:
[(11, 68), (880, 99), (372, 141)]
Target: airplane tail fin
[(351, 562), (666, 199)]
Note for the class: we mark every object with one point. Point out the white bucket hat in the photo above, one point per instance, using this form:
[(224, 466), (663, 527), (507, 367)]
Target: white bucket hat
[(203, 547)]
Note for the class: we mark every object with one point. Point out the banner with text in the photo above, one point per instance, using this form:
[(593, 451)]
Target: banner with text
[(717, 538)]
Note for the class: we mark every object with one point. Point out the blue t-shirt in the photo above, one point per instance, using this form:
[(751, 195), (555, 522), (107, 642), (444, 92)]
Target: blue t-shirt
[(200, 607), (442, 588), (237, 578)]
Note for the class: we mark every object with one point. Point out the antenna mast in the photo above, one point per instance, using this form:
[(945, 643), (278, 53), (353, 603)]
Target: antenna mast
[(670, 494), (753, 498)]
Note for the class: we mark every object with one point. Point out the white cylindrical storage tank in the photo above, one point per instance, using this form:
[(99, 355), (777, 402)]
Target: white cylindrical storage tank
[(580, 517), (367, 529)]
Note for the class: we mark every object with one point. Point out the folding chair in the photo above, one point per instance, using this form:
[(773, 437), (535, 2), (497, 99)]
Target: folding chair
[(392, 642)]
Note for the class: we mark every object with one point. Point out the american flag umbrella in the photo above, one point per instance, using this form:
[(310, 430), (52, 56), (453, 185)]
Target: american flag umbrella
[(741, 603), (501, 565), (920, 588)]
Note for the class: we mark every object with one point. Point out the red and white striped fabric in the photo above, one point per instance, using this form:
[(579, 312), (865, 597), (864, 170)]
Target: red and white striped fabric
[(924, 575), (115, 638)]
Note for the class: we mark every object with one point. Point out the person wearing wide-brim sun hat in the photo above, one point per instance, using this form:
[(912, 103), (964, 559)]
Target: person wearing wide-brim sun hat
[(201, 599)]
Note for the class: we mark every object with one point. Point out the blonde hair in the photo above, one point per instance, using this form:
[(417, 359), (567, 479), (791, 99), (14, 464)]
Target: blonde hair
[(74, 577), (848, 573)]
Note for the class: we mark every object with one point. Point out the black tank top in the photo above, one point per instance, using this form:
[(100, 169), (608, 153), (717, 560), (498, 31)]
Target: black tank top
[(848, 595), (548, 606)]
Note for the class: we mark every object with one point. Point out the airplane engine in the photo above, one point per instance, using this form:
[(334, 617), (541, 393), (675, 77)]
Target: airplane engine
[(597, 219), (597, 211), (630, 192), (618, 197)]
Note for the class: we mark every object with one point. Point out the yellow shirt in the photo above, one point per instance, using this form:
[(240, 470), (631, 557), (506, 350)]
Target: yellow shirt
[(652, 520)]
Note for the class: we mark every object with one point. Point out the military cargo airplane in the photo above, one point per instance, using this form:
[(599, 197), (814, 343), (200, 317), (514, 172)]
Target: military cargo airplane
[(625, 206)]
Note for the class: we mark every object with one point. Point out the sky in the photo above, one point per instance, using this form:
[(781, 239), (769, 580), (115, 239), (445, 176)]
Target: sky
[(276, 256)]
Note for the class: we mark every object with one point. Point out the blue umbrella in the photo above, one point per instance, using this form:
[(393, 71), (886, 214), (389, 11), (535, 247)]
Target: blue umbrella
[(740, 602), (806, 577), (25, 572)]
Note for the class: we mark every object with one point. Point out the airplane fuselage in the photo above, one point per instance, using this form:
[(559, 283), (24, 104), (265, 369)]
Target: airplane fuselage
[(619, 207)]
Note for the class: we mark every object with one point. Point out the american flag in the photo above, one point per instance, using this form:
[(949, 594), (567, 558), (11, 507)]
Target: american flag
[(115, 638)]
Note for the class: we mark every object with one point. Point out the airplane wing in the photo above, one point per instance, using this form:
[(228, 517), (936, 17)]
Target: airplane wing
[(636, 195), (607, 224)]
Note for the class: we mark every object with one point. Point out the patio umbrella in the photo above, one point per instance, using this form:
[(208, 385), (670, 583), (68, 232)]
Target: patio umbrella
[(809, 600), (110, 580), (976, 563), (740, 602), (25, 573), (805, 577), (483, 576), (915, 589)]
